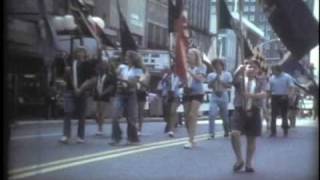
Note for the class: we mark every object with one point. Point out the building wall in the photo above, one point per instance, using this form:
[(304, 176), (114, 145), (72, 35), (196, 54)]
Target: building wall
[(133, 11), (199, 23), (156, 36)]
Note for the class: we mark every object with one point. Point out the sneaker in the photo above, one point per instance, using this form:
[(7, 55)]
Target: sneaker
[(189, 145), (226, 134), (64, 140), (249, 169), (133, 143), (171, 134), (80, 140), (99, 133), (211, 136), (114, 143), (237, 166)]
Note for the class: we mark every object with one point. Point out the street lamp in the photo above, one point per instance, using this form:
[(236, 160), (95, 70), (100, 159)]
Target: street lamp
[(64, 23)]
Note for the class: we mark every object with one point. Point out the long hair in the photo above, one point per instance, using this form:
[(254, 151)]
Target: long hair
[(217, 61), (136, 59), (198, 56), (78, 50)]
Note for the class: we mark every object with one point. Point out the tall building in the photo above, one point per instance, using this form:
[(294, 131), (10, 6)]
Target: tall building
[(199, 23), (226, 40), (133, 10), (156, 36), (157, 23)]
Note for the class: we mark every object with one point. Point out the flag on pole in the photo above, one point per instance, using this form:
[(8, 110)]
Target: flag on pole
[(126, 40), (53, 37), (295, 25), (225, 21), (224, 17), (182, 44), (104, 37), (174, 12)]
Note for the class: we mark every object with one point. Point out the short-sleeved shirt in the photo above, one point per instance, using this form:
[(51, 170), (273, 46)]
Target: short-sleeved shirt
[(280, 85), (196, 86), (170, 83), (239, 97), (225, 77), (130, 73)]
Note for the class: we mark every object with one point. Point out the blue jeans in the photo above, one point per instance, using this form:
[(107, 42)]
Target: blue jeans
[(127, 105), (74, 106), (218, 105)]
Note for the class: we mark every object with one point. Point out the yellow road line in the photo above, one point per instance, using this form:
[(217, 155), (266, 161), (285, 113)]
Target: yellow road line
[(71, 162)]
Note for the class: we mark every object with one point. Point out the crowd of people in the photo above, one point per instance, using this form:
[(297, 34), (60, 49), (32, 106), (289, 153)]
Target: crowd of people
[(258, 95)]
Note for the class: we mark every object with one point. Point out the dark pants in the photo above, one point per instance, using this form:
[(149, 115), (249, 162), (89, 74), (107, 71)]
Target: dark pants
[(165, 110), (128, 104), (168, 103), (279, 106), (51, 108), (74, 106)]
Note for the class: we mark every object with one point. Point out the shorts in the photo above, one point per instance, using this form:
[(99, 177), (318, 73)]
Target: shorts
[(192, 97), (249, 125)]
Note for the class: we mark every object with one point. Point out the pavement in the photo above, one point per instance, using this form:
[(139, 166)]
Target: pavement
[(36, 154)]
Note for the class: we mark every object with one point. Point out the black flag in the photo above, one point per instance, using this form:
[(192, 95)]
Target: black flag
[(247, 50), (224, 16), (225, 22), (104, 37), (126, 39), (294, 24), (174, 12)]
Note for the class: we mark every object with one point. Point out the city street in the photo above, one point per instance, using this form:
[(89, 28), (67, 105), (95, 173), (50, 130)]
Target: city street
[(36, 154)]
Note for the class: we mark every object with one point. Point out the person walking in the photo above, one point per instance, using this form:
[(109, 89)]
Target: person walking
[(79, 75), (105, 89), (265, 110), (219, 81), (126, 98), (281, 84), (246, 118), (142, 92), (193, 93), (169, 86), (294, 98)]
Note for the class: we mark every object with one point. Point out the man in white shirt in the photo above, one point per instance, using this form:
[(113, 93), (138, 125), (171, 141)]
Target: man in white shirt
[(281, 84)]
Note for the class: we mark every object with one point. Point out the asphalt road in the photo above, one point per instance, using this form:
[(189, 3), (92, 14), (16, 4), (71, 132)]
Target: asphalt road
[(35, 154)]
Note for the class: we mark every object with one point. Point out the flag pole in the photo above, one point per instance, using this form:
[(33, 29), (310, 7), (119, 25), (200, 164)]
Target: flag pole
[(244, 104), (170, 47)]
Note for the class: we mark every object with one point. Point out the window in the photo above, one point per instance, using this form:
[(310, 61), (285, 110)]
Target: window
[(252, 8), (251, 18), (213, 10), (246, 8)]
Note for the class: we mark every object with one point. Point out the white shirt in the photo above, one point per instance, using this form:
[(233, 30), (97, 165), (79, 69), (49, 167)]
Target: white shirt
[(127, 73), (75, 73)]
